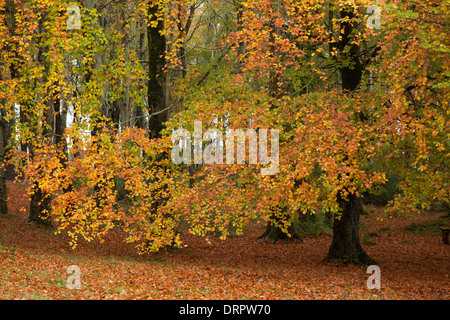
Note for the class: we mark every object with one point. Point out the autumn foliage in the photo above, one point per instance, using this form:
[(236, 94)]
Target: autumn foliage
[(352, 104)]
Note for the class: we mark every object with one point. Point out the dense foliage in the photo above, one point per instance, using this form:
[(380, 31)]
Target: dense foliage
[(88, 113)]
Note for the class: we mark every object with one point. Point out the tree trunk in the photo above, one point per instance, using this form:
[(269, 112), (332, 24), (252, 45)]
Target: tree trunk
[(3, 191), (183, 32), (274, 233), (240, 62), (156, 92), (40, 202), (156, 73), (345, 244), (39, 207)]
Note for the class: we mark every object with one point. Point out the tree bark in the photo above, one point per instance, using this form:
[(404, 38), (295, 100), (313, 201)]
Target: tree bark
[(274, 233), (240, 63), (346, 244), (40, 202), (3, 191), (39, 207), (157, 95), (156, 73), (138, 114)]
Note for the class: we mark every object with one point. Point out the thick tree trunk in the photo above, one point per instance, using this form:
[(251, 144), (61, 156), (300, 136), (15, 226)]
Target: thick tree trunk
[(156, 92), (345, 244), (274, 233), (156, 73), (40, 202), (39, 207)]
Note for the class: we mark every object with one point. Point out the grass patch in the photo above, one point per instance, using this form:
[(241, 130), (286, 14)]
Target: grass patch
[(314, 224), (427, 227), (368, 237)]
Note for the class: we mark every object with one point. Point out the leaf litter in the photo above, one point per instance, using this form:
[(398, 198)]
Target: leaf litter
[(33, 264)]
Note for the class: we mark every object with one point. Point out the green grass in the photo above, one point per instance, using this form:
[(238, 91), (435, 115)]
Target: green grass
[(431, 226), (368, 236)]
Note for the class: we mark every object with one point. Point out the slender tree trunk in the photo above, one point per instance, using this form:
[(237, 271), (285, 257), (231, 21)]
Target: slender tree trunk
[(3, 191), (240, 63), (183, 32), (63, 119)]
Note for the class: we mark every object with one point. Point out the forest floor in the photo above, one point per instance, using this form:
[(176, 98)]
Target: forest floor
[(414, 264)]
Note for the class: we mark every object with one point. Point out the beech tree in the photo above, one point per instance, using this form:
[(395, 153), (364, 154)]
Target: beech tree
[(352, 103), (339, 135)]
